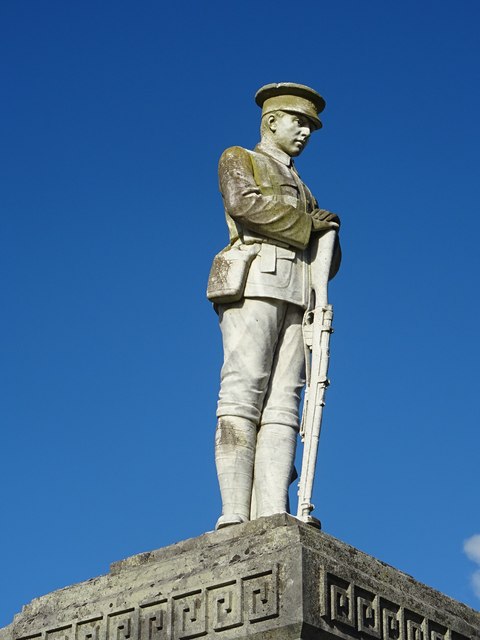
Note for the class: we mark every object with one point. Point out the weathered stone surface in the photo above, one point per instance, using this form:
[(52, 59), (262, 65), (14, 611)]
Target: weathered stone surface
[(281, 254), (273, 578)]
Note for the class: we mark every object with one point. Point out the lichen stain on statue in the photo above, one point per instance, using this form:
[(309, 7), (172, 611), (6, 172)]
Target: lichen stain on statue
[(277, 264), (227, 435), (218, 278)]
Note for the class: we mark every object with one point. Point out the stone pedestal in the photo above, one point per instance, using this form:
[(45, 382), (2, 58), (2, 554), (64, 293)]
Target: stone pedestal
[(275, 579)]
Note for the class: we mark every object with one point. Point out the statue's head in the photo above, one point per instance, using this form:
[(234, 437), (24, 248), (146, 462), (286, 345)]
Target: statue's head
[(289, 115)]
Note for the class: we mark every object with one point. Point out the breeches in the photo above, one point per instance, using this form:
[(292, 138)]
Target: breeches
[(264, 364)]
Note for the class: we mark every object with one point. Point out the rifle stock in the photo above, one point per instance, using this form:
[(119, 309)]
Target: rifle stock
[(317, 327)]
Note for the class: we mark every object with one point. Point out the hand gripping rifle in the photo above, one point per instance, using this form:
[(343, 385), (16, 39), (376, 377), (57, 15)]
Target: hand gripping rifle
[(317, 327)]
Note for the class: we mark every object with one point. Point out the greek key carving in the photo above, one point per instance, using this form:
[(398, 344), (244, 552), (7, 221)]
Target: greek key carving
[(364, 614), (415, 626), (437, 631), (341, 602), (121, 625), (63, 633), (189, 619), (246, 600), (243, 603), (153, 621), (261, 596), (368, 614), (89, 629), (391, 629), (225, 606)]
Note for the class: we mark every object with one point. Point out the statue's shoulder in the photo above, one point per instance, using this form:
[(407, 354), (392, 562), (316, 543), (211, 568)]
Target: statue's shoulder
[(234, 160), (232, 153), (240, 154)]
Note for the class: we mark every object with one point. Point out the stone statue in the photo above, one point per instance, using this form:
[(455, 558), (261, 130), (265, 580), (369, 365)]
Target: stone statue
[(259, 285)]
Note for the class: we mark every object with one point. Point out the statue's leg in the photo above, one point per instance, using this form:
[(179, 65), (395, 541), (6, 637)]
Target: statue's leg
[(234, 455), (250, 332), (274, 459), (277, 436)]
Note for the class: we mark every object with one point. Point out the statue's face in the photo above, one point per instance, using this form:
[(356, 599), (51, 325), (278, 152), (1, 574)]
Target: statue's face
[(291, 132)]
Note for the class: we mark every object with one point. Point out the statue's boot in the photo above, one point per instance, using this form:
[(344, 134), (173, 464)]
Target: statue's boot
[(274, 460), (234, 456)]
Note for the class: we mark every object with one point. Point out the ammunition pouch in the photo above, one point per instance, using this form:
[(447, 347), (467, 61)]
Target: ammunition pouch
[(229, 272)]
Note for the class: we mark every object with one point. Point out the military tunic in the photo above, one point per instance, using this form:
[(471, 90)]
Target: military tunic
[(266, 202), (267, 205)]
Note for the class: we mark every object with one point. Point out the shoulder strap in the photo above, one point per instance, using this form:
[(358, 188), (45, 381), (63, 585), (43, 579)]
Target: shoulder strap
[(263, 175)]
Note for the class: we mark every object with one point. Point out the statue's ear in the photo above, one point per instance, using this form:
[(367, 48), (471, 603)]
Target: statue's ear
[(272, 122)]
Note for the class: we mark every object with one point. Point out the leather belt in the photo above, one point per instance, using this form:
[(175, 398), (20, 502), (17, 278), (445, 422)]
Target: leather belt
[(249, 238)]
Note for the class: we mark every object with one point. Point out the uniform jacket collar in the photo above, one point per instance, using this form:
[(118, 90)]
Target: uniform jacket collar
[(274, 152)]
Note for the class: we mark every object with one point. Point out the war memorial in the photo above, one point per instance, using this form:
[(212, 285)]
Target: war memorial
[(262, 573)]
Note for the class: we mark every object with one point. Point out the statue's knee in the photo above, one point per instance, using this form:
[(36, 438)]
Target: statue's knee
[(282, 429), (233, 431)]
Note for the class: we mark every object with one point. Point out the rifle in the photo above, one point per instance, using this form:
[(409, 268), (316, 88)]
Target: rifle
[(317, 327)]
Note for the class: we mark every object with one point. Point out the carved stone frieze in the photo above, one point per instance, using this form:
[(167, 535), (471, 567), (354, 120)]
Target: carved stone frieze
[(246, 600), (275, 578), (357, 612)]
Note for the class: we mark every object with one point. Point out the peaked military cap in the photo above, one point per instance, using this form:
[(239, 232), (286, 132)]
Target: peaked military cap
[(289, 96)]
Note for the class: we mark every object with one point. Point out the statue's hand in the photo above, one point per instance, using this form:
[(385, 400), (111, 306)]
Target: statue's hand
[(324, 220)]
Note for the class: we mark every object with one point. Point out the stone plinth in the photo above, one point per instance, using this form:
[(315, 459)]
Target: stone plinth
[(274, 578)]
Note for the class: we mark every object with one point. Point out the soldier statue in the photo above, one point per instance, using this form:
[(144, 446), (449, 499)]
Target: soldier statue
[(259, 285)]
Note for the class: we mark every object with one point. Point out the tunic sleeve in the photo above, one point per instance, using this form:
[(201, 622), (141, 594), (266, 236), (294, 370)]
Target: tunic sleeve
[(263, 214)]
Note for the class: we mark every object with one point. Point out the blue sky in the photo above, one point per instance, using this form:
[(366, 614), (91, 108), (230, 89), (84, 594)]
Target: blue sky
[(114, 115)]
